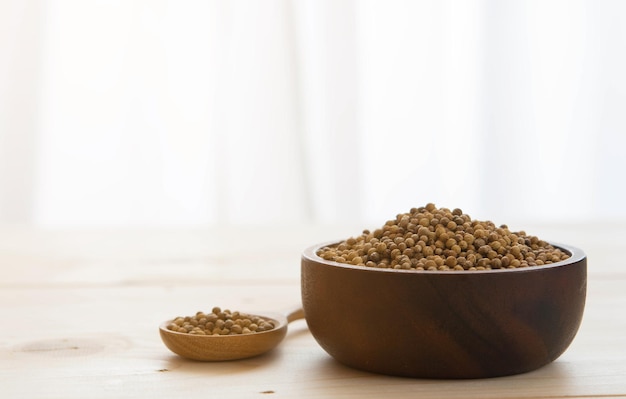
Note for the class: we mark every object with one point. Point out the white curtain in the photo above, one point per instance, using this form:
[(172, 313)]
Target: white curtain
[(192, 113)]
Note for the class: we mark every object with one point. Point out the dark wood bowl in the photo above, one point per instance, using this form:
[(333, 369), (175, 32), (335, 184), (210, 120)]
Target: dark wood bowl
[(444, 324)]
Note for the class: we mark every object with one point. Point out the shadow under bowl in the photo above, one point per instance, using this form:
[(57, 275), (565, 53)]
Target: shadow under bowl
[(444, 324)]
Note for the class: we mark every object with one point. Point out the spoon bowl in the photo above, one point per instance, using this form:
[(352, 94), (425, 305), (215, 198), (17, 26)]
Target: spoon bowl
[(228, 347)]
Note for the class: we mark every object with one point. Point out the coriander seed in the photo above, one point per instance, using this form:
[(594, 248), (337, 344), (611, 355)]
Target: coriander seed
[(220, 322), (431, 238)]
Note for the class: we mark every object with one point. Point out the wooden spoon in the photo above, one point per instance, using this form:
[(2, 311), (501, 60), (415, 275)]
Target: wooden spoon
[(228, 347)]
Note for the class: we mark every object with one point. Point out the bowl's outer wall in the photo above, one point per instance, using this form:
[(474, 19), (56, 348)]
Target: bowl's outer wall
[(443, 325)]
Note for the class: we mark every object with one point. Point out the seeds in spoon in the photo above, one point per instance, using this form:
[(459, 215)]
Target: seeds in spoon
[(221, 322)]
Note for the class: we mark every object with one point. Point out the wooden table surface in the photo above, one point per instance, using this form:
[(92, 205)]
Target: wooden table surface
[(79, 313)]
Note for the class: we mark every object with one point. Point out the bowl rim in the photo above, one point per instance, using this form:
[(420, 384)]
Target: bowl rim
[(576, 255)]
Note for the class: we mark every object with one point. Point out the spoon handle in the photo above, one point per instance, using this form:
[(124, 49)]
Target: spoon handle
[(295, 314)]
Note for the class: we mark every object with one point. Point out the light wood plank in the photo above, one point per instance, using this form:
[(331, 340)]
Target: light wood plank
[(64, 342), (80, 312)]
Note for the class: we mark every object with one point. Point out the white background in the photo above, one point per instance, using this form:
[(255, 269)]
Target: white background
[(203, 113)]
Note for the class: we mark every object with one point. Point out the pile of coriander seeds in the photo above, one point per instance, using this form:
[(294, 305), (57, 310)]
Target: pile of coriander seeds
[(220, 322), (431, 238)]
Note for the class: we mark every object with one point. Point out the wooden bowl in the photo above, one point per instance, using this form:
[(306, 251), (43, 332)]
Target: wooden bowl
[(444, 324)]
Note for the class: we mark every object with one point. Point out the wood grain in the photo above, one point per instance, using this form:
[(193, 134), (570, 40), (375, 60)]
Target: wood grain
[(80, 312), (444, 324)]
